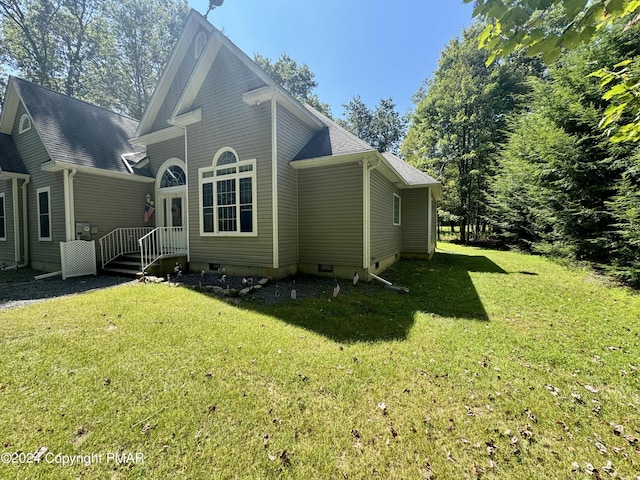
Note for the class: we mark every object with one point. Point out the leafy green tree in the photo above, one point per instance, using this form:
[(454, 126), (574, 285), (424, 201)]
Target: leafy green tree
[(382, 128), (297, 79), (521, 24), (566, 169), (142, 34), (459, 122), (106, 52)]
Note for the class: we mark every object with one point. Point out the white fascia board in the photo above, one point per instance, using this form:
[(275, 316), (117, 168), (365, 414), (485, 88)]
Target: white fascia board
[(9, 109), (328, 161), (52, 166), (12, 175), (168, 133)]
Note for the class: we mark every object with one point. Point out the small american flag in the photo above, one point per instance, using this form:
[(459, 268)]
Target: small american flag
[(148, 211)]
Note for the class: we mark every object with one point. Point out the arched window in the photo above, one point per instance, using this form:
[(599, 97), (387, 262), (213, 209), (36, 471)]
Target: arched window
[(173, 176), (25, 124), (228, 195)]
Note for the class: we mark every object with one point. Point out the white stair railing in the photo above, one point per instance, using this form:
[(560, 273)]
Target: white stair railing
[(162, 242), (121, 241)]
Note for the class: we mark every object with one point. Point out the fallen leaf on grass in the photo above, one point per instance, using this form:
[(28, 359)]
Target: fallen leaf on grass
[(552, 389), (617, 429), (591, 389), (631, 439), (427, 474), (578, 398), (531, 415), (383, 406), (601, 448)]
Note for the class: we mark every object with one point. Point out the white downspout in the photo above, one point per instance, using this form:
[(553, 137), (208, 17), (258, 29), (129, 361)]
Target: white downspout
[(25, 224), (430, 224), (16, 220)]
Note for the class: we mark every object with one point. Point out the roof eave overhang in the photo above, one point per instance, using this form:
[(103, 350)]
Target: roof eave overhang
[(272, 92), (158, 136), (330, 160), (52, 166), (11, 175)]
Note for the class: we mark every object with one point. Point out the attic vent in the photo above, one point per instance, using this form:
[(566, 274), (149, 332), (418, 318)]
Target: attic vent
[(200, 43)]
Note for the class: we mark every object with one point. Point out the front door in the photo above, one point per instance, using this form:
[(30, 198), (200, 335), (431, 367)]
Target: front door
[(174, 211)]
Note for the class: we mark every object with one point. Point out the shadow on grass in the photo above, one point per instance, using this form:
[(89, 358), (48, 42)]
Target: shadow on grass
[(369, 312)]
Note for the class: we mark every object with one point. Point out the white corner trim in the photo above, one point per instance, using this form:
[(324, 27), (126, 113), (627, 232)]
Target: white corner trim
[(274, 184)]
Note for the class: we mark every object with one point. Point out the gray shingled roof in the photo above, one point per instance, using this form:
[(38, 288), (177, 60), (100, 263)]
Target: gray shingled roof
[(410, 174), (333, 140), (10, 160), (76, 132)]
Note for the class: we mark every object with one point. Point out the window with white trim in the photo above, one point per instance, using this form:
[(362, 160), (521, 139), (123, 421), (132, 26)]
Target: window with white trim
[(25, 124), (228, 196), (3, 218), (44, 214), (396, 209)]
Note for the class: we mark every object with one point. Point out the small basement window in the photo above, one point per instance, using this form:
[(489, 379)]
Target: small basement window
[(325, 268)]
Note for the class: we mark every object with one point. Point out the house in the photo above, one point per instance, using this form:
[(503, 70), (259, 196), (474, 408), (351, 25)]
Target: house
[(234, 172)]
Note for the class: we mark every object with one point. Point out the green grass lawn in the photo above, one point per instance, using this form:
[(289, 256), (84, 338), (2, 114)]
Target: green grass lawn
[(495, 365)]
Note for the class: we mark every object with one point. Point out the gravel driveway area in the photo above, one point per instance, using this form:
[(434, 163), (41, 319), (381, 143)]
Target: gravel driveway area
[(19, 287)]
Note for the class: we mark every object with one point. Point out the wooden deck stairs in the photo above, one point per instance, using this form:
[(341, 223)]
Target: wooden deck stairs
[(127, 265)]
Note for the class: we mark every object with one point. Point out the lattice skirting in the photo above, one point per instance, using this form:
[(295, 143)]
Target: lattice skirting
[(78, 258)]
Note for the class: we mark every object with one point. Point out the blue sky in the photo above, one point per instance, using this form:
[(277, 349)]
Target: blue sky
[(370, 48)]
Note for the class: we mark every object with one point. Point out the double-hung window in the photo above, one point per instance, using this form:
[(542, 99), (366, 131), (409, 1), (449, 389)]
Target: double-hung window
[(44, 214), (228, 196), (3, 218), (396, 209)]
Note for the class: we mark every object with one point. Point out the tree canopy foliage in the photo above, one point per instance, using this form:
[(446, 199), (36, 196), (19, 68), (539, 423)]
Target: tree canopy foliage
[(522, 25), (458, 123), (382, 128), (296, 79), (107, 52)]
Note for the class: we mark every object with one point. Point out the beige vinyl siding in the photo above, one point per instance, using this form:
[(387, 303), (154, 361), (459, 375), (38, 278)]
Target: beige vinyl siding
[(330, 215), (228, 122), (415, 220), (175, 90), (163, 151), (386, 238), (44, 255), (108, 203), (8, 245), (292, 136)]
